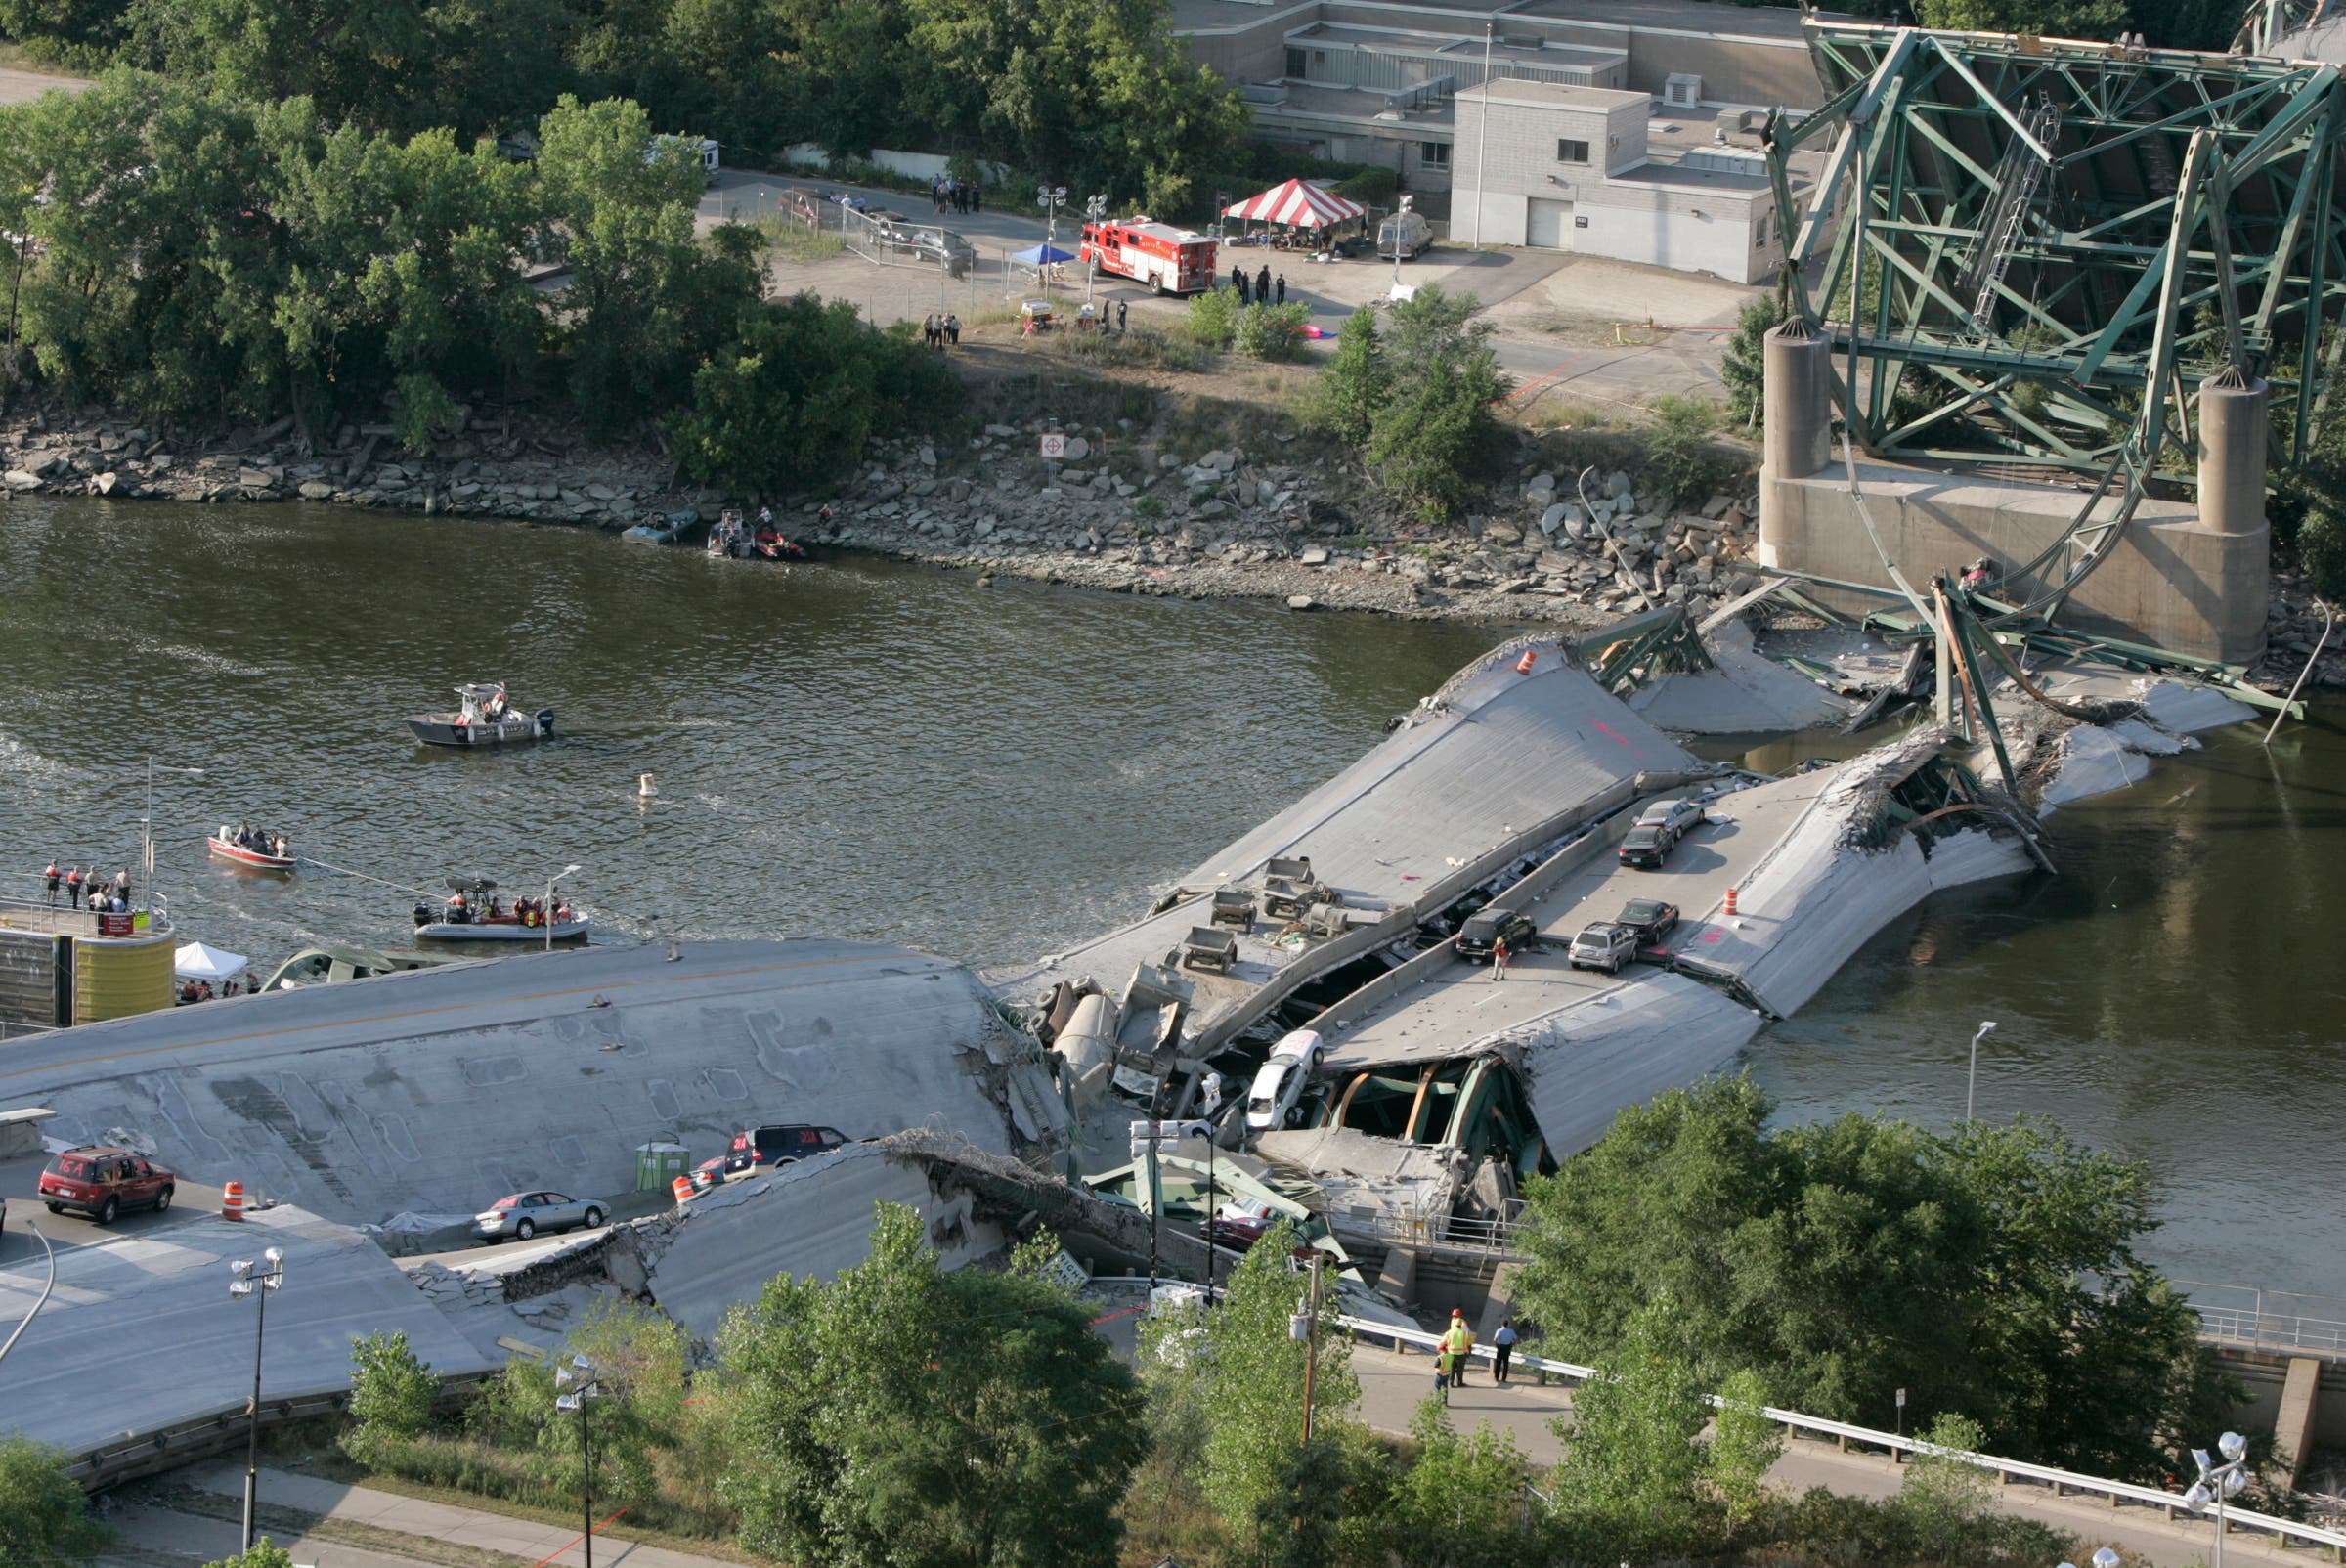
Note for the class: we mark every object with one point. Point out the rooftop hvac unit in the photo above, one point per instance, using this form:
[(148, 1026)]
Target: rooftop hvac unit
[(1682, 90), (1521, 40)]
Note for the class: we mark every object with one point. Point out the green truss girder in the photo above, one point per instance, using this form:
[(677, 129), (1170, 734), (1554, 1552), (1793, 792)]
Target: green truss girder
[(2187, 219)]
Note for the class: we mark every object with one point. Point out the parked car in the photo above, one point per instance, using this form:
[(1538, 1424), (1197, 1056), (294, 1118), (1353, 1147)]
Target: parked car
[(1278, 1092), (1646, 847), (1486, 926), (1676, 818), (522, 1215), (771, 1147), (1603, 945), (709, 1173), (1650, 918), (102, 1181)]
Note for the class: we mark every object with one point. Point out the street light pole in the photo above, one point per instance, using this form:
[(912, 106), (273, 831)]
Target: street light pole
[(1481, 142), (1311, 1349), (1970, 1080), (548, 911), (581, 1372), (258, 1283), (2218, 1482)]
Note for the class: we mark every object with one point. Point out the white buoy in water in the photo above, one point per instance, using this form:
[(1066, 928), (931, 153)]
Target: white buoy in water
[(645, 788)]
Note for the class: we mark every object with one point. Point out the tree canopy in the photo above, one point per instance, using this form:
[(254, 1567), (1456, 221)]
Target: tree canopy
[(1988, 1270), (905, 1415)]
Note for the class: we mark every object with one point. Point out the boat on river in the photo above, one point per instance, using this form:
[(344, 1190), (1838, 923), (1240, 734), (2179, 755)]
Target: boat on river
[(664, 528), (736, 536), (253, 848), (484, 716), (474, 913)]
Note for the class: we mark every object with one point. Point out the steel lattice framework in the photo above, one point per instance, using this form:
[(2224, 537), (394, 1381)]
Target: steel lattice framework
[(2051, 242)]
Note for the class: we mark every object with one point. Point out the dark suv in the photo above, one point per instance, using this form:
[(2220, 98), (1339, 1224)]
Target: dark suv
[(765, 1147), (1486, 926), (102, 1182)]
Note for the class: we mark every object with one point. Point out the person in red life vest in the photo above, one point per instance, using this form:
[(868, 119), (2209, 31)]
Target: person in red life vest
[(55, 881)]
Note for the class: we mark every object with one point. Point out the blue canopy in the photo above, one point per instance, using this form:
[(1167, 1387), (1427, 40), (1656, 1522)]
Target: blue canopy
[(1041, 256)]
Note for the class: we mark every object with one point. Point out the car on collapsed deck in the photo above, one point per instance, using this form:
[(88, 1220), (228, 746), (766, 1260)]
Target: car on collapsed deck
[(1647, 847), (1650, 918), (1277, 1095), (1479, 937), (1678, 817), (102, 1181), (757, 1149), (521, 1216), (1603, 945)]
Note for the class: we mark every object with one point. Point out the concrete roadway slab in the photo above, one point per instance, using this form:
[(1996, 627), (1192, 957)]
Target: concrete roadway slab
[(1460, 1004), (23, 86)]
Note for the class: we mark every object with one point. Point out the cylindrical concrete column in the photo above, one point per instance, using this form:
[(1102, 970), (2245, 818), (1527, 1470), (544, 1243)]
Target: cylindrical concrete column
[(2233, 428), (1798, 439)]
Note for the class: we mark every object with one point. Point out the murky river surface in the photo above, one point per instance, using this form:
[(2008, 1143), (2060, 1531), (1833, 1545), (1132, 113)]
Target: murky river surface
[(886, 752)]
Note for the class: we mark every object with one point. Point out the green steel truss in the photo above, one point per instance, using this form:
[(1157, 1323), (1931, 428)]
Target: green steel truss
[(2055, 241)]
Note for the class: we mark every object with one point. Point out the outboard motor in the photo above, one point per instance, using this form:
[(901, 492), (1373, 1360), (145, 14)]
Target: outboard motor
[(424, 915), (545, 720)]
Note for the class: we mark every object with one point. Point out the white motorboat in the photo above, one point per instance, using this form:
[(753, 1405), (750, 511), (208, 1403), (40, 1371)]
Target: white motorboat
[(254, 851), (484, 716), (474, 913)]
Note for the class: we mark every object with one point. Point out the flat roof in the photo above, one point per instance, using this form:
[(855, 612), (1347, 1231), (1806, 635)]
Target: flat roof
[(1727, 21), (1555, 95), (1353, 104)]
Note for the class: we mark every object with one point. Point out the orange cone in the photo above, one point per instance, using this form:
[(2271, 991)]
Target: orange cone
[(231, 1201), (1523, 666)]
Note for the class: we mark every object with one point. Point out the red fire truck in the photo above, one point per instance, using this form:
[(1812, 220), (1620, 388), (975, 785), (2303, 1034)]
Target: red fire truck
[(1169, 260)]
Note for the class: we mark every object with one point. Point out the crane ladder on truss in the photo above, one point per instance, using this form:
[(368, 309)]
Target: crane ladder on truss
[(2017, 179)]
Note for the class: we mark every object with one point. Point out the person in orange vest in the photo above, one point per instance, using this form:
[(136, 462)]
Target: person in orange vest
[(53, 881), (1458, 1343), (73, 887)]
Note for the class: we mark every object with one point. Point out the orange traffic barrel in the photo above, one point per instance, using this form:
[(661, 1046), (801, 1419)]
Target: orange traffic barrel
[(682, 1187), (231, 1201), (1730, 903), (1523, 666)]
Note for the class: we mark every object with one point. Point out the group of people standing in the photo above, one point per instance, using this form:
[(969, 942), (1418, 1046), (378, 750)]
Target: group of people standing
[(201, 990), (958, 195), (1455, 1350), (941, 329), (1261, 290), (77, 884)]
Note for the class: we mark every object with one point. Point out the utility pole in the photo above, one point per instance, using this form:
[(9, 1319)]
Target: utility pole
[(1311, 1350), (1481, 142)]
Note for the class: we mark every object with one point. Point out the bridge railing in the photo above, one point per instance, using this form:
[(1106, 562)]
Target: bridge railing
[(2063, 1483), (2268, 1320)]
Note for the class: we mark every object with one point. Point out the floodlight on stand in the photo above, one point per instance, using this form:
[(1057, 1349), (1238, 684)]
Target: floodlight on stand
[(241, 1268), (562, 1377), (581, 1364), (275, 1255), (566, 1403), (2105, 1557), (241, 1288), (2233, 1446)]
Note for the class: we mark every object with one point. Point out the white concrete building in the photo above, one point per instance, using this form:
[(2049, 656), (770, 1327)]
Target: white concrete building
[(1614, 174)]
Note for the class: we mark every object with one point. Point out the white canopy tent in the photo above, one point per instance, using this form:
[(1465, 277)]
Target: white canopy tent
[(198, 962)]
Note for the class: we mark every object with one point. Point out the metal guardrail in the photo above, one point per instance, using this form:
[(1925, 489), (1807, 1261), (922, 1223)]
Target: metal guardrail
[(2268, 1320), (2290, 1531)]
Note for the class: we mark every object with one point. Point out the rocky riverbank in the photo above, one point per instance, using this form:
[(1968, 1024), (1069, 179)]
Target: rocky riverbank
[(1121, 510), (1240, 522)]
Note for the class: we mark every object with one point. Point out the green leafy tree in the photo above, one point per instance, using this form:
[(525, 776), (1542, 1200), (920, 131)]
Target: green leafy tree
[(1435, 433), (1988, 1270), (1744, 1447), (1213, 318), (44, 1518), (1631, 1459), (1249, 1383), (1941, 1495), (1272, 331), (2094, 20), (262, 1553), (392, 1389), (1354, 383), (904, 1416), (1679, 463), (793, 401), (647, 301), (76, 32), (1743, 365), (1465, 1499)]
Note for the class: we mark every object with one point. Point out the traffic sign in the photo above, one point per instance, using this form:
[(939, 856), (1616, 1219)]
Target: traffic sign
[(1055, 445)]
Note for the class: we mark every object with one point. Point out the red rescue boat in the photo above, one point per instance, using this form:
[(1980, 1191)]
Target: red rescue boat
[(226, 846)]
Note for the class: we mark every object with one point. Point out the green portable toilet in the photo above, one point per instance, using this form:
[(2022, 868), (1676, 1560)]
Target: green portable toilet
[(658, 1165)]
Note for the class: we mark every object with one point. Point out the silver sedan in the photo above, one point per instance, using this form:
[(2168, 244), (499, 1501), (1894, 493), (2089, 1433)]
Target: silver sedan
[(523, 1215)]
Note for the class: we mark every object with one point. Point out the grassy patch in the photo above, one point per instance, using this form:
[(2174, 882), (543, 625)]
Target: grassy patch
[(793, 240), (1141, 348)]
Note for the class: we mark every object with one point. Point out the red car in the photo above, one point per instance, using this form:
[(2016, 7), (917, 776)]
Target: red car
[(102, 1182)]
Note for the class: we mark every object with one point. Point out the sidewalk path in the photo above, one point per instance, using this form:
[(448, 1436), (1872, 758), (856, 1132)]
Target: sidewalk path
[(525, 1539), (1392, 1385)]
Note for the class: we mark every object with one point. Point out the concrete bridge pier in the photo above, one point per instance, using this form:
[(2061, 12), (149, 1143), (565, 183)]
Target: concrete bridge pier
[(2234, 420), (1797, 364)]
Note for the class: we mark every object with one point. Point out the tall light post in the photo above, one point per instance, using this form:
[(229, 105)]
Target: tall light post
[(2219, 1483), (1095, 210), (580, 1377), (1048, 199), (259, 1282), (1305, 1326), (548, 911), (1482, 139), (1970, 1080)]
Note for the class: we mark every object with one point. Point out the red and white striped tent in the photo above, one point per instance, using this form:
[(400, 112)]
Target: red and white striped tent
[(1296, 204)]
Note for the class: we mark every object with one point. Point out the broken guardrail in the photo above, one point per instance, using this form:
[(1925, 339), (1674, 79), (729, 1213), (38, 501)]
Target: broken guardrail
[(2065, 1483)]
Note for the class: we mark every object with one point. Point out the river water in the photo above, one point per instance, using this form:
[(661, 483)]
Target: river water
[(881, 751)]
